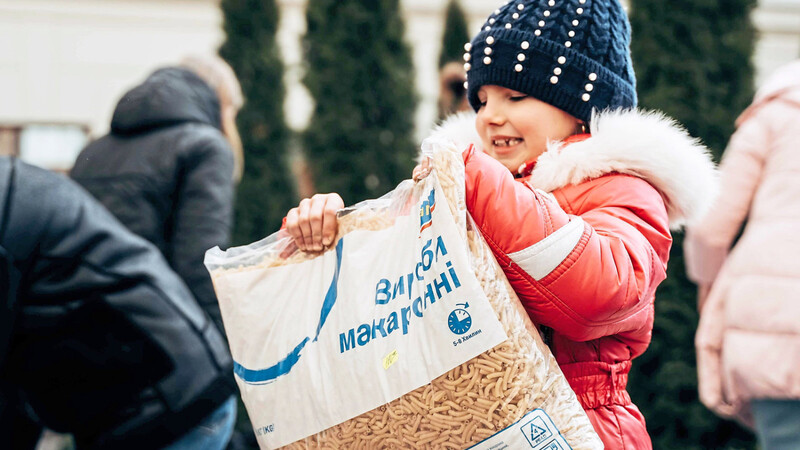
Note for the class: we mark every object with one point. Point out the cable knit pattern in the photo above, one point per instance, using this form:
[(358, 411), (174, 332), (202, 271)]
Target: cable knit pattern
[(573, 54), (599, 37)]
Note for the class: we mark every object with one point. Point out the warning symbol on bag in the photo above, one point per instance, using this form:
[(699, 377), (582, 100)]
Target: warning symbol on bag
[(537, 432)]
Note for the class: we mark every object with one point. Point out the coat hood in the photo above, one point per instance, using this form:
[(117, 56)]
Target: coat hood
[(783, 84), (169, 96), (648, 145)]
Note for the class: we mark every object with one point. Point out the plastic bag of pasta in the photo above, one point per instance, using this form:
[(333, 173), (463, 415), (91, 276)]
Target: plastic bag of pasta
[(403, 334)]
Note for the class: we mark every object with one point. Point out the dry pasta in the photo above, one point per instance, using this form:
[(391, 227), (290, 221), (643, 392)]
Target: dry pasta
[(479, 397)]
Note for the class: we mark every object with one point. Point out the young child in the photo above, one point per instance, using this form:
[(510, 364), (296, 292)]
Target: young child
[(574, 190), (749, 328)]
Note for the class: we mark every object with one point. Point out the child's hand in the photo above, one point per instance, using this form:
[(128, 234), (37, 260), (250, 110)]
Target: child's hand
[(313, 223), (422, 170)]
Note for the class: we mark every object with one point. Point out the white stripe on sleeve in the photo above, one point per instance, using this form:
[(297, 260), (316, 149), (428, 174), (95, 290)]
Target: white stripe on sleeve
[(544, 256)]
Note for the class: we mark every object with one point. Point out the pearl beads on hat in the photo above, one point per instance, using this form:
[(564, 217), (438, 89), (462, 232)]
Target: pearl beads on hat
[(522, 57), (588, 87), (561, 21)]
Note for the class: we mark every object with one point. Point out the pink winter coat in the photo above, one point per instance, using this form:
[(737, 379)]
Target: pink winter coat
[(748, 340)]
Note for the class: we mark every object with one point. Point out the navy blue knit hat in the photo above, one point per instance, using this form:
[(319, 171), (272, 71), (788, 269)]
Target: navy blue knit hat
[(572, 54)]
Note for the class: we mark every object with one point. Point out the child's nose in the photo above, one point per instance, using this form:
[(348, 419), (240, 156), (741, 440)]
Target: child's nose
[(493, 114)]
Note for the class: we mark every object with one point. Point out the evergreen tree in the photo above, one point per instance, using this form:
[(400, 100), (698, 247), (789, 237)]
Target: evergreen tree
[(692, 61), (266, 191), (360, 141), (456, 34)]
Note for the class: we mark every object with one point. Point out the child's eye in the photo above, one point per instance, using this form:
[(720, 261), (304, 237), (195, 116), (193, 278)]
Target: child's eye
[(481, 103), (517, 98)]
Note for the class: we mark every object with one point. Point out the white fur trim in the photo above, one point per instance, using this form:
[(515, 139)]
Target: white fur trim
[(648, 145), (458, 129), (544, 256)]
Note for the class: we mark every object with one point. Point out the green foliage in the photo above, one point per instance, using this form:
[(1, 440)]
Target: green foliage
[(266, 192), (360, 140), (692, 61), (663, 381), (456, 34)]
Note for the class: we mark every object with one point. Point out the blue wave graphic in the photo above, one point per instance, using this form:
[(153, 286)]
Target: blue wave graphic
[(264, 376)]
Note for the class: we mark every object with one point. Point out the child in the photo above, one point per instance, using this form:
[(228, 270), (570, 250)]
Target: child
[(574, 190), (749, 328)]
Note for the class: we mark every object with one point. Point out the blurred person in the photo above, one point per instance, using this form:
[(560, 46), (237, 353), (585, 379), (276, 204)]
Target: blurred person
[(99, 338), (574, 189), (168, 166), (748, 339), (452, 93)]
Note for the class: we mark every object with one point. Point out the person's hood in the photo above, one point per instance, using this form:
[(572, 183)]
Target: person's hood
[(645, 144), (783, 84), (169, 96)]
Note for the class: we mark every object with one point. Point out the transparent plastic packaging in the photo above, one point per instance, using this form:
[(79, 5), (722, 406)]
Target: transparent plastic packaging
[(472, 401)]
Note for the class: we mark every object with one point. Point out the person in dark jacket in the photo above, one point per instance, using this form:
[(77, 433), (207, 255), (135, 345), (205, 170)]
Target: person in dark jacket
[(168, 166), (99, 337)]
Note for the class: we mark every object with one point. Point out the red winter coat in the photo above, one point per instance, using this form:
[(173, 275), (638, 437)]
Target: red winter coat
[(584, 241)]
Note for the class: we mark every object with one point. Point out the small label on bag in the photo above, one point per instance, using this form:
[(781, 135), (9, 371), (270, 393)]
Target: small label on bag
[(535, 431), (390, 359)]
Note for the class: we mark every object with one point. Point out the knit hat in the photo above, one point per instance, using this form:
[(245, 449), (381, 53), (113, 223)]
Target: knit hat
[(572, 54)]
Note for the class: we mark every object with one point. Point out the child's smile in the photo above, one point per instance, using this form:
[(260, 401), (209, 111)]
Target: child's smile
[(505, 142), (515, 128)]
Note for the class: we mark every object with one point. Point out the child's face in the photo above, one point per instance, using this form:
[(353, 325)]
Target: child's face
[(515, 128)]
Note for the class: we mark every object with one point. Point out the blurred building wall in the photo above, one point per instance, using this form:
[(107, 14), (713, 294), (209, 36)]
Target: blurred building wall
[(65, 63), (778, 25)]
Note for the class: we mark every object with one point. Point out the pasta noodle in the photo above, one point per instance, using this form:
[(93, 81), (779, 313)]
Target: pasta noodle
[(477, 398)]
